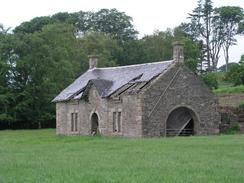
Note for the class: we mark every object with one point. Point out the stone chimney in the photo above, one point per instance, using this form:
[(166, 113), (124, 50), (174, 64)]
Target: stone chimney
[(178, 51), (92, 61)]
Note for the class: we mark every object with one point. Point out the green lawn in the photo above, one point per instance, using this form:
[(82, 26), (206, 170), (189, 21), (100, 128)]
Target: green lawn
[(227, 89), (41, 156)]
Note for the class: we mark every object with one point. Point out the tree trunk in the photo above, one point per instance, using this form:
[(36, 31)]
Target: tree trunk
[(227, 59), (226, 55)]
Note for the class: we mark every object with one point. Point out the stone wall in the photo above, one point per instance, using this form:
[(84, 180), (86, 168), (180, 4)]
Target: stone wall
[(179, 87), (146, 113), (128, 105), (132, 116), (61, 120)]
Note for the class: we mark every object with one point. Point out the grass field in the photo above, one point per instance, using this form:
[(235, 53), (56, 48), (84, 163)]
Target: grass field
[(41, 156), (229, 89)]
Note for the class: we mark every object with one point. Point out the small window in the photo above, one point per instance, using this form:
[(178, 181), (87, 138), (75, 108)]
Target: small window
[(119, 121), (74, 122), (116, 121)]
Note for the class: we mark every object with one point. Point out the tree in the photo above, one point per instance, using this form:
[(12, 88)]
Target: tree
[(34, 25), (109, 21), (191, 48), (3, 30), (235, 73), (206, 28), (229, 18), (201, 24), (102, 45), (187, 31), (38, 23), (6, 94), (115, 23), (132, 52), (46, 62), (158, 46)]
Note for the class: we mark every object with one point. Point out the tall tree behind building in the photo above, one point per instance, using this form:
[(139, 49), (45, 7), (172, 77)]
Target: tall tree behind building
[(230, 19)]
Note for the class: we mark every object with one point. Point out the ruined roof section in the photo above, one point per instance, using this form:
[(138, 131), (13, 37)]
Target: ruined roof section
[(110, 79)]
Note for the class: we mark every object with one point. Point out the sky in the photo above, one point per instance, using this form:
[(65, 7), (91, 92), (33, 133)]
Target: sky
[(148, 16)]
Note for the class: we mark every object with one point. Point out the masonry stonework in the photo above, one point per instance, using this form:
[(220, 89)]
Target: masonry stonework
[(145, 114), (145, 100), (179, 88)]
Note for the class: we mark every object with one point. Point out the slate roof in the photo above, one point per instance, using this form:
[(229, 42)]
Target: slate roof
[(109, 80)]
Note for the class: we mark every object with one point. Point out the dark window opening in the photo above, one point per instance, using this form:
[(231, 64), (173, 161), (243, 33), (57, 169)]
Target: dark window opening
[(94, 124), (116, 121), (119, 121)]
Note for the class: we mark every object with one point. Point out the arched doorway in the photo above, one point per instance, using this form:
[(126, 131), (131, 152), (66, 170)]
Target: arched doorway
[(181, 122), (94, 124)]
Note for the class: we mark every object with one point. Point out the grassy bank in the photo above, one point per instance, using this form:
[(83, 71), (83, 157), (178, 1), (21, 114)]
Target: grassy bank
[(229, 89), (41, 156)]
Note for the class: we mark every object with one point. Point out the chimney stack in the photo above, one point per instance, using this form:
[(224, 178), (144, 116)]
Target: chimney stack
[(178, 51), (92, 61)]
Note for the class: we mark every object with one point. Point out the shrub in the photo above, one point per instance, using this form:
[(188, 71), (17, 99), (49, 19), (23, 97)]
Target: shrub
[(233, 130), (236, 74), (210, 79)]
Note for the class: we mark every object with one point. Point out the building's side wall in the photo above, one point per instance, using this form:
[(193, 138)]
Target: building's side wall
[(63, 117), (178, 87), (85, 109), (128, 105), (99, 106), (61, 126), (131, 116)]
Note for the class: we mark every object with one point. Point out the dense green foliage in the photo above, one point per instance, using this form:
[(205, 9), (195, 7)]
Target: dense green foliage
[(109, 21), (210, 80), (44, 55), (236, 73), (233, 130), (223, 67), (38, 65), (41, 156)]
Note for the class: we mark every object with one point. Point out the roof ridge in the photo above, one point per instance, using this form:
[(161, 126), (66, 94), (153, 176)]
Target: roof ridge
[(127, 66)]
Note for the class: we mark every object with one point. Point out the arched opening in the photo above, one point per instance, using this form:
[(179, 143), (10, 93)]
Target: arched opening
[(94, 124), (181, 122)]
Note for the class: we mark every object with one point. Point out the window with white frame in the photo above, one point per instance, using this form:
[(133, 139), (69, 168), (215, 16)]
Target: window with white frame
[(74, 122), (116, 121)]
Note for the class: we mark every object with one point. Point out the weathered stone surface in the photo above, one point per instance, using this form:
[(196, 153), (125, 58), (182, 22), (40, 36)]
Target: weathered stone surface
[(179, 88), (145, 114), (231, 117)]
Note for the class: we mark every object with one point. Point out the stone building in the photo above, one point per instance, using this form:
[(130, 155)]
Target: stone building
[(145, 100)]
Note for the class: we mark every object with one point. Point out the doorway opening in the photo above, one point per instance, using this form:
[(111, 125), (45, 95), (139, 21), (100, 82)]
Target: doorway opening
[(94, 124), (180, 122)]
